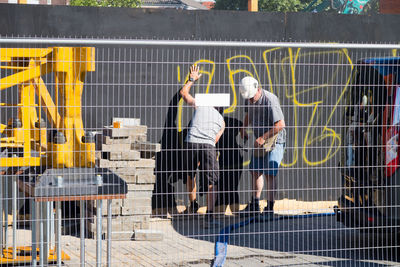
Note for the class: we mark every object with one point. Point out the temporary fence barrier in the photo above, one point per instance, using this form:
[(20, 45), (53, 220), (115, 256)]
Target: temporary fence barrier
[(87, 120)]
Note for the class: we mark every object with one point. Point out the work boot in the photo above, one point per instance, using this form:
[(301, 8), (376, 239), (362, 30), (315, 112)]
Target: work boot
[(191, 211), (251, 210), (267, 215), (194, 207)]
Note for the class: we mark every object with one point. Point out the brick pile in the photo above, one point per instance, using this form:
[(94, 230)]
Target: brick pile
[(126, 152)]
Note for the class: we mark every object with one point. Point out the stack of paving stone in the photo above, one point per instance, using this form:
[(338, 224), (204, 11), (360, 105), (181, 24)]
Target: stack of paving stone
[(123, 148)]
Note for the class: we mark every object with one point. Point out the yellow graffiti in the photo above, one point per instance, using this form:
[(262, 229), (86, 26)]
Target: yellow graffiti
[(295, 152), (267, 66), (178, 72), (288, 66), (297, 103), (232, 73), (304, 55), (327, 132)]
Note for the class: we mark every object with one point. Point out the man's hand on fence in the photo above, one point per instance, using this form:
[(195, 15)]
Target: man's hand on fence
[(194, 73)]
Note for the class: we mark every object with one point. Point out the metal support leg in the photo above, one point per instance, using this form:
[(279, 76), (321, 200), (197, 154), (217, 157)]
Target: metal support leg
[(109, 232), (52, 229), (58, 233), (99, 203), (82, 214), (1, 214), (6, 202), (14, 215), (46, 217), (34, 230), (41, 229)]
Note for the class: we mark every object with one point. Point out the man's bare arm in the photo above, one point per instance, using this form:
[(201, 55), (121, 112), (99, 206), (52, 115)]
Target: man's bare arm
[(219, 134), (185, 91), (278, 126)]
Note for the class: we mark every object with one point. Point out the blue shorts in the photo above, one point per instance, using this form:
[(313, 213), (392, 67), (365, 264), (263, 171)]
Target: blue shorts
[(269, 164)]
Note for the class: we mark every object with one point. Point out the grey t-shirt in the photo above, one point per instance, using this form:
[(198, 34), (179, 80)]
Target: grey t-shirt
[(264, 114), (206, 124)]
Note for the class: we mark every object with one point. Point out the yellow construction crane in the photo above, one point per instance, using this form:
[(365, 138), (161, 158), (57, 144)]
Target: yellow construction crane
[(56, 164), (68, 147)]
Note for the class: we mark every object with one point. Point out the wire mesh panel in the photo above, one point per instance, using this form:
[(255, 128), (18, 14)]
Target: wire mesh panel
[(106, 140)]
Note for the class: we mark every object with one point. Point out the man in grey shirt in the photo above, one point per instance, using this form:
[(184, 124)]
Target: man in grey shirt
[(264, 113), (205, 130)]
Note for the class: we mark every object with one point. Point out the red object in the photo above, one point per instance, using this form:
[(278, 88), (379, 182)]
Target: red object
[(389, 6), (391, 132), (370, 219), (208, 5)]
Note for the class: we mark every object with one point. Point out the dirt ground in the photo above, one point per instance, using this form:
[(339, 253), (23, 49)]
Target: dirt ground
[(282, 207)]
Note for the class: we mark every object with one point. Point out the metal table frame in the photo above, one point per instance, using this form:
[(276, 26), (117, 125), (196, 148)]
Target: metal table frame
[(41, 206)]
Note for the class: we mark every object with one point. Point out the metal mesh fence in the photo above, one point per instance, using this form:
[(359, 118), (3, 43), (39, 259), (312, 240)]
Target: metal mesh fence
[(100, 142)]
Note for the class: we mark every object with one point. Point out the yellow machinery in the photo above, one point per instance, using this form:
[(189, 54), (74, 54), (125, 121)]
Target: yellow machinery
[(56, 164), (27, 132), (24, 133)]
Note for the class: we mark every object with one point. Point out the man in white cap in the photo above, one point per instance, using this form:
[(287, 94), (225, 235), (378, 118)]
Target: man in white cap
[(264, 113), (207, 126)]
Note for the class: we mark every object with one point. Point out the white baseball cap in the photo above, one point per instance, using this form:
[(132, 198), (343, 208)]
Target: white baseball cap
[(248, 87)]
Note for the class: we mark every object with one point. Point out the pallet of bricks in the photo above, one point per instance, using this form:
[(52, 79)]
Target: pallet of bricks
[(123, 148)]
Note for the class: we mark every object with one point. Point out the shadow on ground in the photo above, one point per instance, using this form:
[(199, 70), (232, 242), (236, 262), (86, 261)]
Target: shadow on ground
[(319, 236)]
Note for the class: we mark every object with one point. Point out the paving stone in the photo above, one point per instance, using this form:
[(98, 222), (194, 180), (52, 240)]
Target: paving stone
[(140, 187), (148, 235), (141, 225), (139, 194), (129, 179), (123, 223), (135, 210), (123, 155), (142, 163), (127, 122), (121, 140), (125, 132), (132, 208), (137, 206), (101, 139), (105, 163), (136, 175), (142, 137), (124, 170), (116, 205), (116, 148), (146, 146), (145, 176), (122, 235), (145, 169)]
